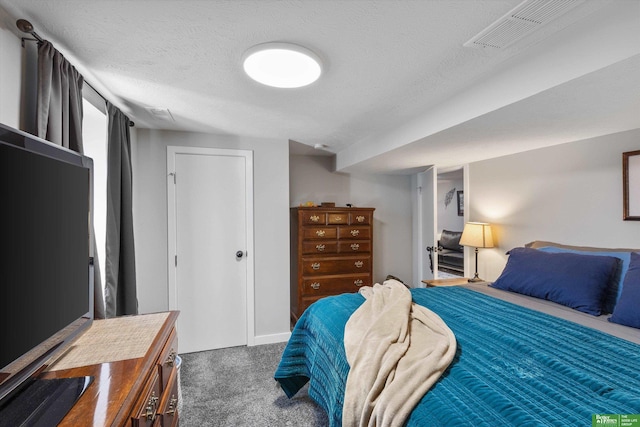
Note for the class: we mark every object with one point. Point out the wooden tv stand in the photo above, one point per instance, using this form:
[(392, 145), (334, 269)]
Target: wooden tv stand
[(132, 361)]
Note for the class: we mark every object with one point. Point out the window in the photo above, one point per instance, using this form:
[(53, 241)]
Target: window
[(94, 136)]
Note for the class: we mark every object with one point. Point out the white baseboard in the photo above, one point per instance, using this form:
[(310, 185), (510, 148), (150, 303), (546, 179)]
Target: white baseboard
[(271, 339)]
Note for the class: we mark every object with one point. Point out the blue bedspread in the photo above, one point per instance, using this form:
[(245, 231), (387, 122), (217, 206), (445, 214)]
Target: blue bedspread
[(514, 366)]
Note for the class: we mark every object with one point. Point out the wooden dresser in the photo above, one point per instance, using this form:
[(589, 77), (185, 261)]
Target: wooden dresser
[(331, 253), (132, 360)]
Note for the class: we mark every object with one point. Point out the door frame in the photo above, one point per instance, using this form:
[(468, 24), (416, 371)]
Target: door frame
[(468, 251), (172, 290), (426, 187)]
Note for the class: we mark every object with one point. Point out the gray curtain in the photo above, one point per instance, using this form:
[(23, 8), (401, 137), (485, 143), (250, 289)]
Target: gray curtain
[(59, 120), (59, 108), (120, 289)]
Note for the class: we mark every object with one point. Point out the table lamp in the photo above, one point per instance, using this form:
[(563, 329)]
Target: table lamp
[(477, 235)]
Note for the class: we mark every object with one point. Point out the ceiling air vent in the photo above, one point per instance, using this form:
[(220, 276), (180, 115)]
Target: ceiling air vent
[(161, 113), (527, 17)]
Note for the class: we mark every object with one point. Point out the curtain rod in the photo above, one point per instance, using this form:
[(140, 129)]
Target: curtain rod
[(26, 27)]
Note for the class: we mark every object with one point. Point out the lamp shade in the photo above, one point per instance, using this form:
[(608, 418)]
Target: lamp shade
[(477, 234)]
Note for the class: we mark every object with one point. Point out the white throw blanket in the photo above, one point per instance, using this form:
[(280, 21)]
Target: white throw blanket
[(396, 351)]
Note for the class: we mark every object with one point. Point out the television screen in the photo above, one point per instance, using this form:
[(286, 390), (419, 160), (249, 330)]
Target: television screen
[(45, 254)]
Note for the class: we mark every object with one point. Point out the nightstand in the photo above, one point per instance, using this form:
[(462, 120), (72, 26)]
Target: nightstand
[(456, 281)]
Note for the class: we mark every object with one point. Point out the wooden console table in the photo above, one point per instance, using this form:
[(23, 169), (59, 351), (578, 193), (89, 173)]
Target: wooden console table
[(135, 381)]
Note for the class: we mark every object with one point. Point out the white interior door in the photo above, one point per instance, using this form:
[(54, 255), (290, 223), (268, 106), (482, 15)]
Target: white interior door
[(210, 246), (427, 224)]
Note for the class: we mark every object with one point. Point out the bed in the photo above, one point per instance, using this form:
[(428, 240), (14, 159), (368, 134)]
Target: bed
[(520, 359)]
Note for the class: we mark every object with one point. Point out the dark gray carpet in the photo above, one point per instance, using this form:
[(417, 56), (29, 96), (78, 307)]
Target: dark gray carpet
[(234, 387)]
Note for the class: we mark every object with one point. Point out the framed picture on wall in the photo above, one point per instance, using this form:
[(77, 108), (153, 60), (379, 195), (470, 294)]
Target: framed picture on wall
[(631, 185), (460, 195)]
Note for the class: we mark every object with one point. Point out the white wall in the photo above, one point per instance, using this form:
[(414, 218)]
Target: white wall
[(570, 193), (448, 218), (312, 179), (10, 74), (271, 202)]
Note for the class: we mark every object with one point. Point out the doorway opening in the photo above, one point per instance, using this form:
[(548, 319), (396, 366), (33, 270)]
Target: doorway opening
[(450, 222)]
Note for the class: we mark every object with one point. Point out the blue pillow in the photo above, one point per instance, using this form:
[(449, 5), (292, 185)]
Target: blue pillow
[(627, 311), (577, 281), (612, 294)]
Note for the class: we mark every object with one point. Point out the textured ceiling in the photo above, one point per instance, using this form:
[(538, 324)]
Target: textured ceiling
[(386, 64)]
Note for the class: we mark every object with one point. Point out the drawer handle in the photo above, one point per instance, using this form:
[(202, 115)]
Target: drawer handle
[(338, 218), (320, 233), (358, 264), (360, 218), (315, 266), (355, 232), (320, 248), (151, 406), (314, 218), (355, 246), (315, 285), (173, 405), (358, 282), (151, 413), (171, 358)]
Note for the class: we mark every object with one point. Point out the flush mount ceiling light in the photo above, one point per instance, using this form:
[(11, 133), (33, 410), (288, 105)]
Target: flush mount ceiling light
[(282, 65)]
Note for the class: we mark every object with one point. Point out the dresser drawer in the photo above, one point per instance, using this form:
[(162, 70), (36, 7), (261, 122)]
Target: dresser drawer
[(146, 408), (354, 247), (363, 218), (166, 361), (314, 218), (339, 218), (354, 232), (323, 266), (334, 285), (168, 410), (319, 233), (330, 247)]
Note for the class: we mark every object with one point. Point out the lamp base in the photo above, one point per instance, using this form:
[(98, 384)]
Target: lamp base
[(475, 277)]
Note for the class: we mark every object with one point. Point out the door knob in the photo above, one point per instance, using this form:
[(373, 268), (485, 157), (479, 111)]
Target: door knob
[(239, 254)]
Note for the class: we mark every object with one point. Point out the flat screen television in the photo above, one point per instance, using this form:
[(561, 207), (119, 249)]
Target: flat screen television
[(46, 255)]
